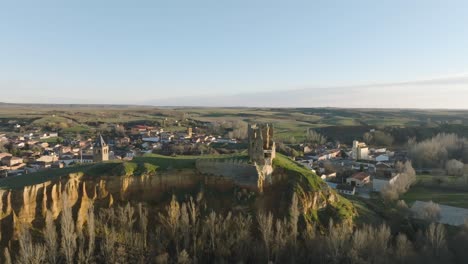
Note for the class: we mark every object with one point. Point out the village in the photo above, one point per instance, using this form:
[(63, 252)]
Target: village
[(35, 151), (354, 170)]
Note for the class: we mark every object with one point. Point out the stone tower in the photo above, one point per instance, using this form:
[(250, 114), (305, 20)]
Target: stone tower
[(100, 150), (189, 132), (262, 149)]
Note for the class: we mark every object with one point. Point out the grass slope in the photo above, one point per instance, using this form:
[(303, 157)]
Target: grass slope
[(304, 182)]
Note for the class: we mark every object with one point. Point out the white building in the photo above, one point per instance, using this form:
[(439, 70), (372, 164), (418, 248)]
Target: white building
[(382, 158), (379, 183), (360, 151)]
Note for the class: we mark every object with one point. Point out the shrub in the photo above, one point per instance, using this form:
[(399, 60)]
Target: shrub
[(126, 169)]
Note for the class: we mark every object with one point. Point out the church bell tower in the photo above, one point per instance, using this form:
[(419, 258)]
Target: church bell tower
[(100, 150)]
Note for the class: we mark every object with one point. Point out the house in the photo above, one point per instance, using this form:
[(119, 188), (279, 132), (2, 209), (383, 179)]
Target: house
[(69, 155), (226, 140), (124, 141), (140, 129), (346, 189), (11, 161), (379, 183), (48, 135), (308, 149), (383, 169), (382, 158), (358, 179), (328, 176), (48, 158), (4, 154), (150, 139), (40, 165), (42, 144), (57, 165), (64, 149), (327, 155)]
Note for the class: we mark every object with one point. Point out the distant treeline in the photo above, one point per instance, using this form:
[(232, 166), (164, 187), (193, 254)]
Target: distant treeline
[(400, 135)]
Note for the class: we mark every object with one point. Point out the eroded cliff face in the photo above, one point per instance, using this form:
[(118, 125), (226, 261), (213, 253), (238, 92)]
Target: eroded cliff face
[(30, 204), (312, 202)]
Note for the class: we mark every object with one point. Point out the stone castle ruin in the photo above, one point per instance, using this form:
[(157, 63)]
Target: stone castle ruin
[(251, 174), (262, 149)]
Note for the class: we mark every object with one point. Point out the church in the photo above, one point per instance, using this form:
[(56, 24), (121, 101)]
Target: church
[(100, 150)]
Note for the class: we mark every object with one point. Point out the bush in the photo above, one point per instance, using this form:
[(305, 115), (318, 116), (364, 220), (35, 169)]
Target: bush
[(148, 168), (126, 169), (454, 167)]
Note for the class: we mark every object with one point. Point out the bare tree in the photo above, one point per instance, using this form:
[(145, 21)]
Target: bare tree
[(436, 241), (51, 238), (91, 227), (68, 232), (108, 244), (314, 137), (454, 167), (29, 252), (293, 218), (183, 257), (171, 220), (430, 212), (7, 256), (143, 223), (337, 242), (265, 224), (403, 249)]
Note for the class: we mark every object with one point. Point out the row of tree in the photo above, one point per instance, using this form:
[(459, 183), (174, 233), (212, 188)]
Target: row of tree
[(188, 233)]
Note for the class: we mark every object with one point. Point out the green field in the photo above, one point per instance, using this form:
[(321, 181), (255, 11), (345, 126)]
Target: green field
[(442, 196)]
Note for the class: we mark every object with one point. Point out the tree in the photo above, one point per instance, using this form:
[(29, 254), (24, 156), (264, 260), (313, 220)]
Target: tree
[(435, 152), (51, 238), (406, 177), (436, 241), (403, 249), (30, 252), (454, 167), (430, 212), (265, 225), (314, 137), (69, 237), (368, 138)]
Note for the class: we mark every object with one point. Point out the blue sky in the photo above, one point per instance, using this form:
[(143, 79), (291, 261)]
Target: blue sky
[(137, 51)]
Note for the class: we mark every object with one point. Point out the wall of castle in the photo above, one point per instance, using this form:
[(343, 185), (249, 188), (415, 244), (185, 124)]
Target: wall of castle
[(240, 172)]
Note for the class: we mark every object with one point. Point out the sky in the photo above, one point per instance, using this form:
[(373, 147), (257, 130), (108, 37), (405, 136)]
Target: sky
[(399, 53)]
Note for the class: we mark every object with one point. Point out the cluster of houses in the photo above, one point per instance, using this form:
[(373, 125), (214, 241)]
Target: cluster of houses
[(38, 151), (357, 169), (34, 155)]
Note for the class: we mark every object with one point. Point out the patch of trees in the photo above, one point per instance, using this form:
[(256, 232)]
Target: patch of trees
[(187, 232), (378, 138), (232, 129), (446, 151), (313, 137), (132, 168), (185, 149)]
